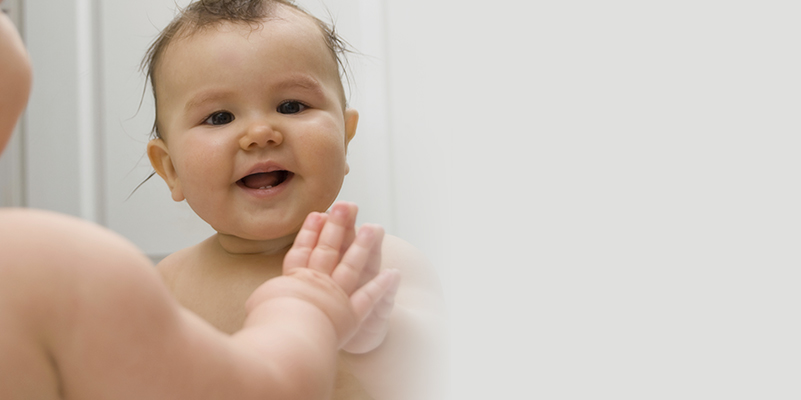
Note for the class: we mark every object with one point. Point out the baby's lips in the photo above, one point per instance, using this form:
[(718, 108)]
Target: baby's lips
[(262, 167), (265, 180)]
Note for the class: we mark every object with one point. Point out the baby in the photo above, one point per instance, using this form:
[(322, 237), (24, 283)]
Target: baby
[(252, 130), (84, 315)]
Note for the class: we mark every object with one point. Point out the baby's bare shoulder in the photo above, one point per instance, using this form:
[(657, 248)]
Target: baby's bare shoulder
[(172, 266), (417, 272), (400, 254), (398, 251)]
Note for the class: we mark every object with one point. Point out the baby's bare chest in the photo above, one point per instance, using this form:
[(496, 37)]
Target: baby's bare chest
[(217, 297)]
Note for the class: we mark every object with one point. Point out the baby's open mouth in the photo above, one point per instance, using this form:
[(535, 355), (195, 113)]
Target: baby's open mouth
[(265, 180)]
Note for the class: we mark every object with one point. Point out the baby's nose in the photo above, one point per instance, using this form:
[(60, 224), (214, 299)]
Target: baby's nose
[(260, 135)]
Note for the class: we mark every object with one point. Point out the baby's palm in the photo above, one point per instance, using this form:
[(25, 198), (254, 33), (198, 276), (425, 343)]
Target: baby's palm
[(331, 246)]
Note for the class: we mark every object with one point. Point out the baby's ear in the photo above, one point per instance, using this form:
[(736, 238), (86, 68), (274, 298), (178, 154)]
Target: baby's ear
[(351, 121), (159, 156)]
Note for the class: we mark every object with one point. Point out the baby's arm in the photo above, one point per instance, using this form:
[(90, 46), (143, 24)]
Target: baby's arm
[(86, 316)]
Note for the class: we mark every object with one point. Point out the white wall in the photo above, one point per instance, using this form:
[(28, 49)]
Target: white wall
[(611, 189), (624, 191)]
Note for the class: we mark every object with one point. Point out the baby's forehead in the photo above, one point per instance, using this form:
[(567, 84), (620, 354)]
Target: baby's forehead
[(311, 40)]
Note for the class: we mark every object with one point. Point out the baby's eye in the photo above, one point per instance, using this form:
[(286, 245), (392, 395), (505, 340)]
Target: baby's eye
[(219, 118), (291, 107)]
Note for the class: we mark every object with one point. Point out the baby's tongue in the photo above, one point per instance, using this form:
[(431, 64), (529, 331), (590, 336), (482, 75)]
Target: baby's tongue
[(262, 180)]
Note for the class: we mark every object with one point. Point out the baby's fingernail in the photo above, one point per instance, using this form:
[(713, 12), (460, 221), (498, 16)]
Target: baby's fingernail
[(366, 233), (339, 211), (313, 220), (393, 275)]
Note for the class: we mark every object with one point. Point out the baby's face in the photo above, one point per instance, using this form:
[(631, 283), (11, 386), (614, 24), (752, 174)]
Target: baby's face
[(15, 78), (254, 129)]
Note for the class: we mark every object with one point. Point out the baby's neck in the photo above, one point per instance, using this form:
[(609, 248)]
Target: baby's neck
[(235, 245)]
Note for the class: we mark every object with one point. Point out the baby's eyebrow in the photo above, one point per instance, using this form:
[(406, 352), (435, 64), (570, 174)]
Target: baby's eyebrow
[(205, 97), (295, 81), (301, 81)]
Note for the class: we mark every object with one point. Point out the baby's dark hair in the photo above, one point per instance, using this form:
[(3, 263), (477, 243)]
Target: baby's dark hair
[(203, 14)]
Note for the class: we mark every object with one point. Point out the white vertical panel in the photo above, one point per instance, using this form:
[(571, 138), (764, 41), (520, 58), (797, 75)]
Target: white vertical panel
[(60, 153), (370, 182), (12, 187), (86, 105), (52, 171), (422, 111)]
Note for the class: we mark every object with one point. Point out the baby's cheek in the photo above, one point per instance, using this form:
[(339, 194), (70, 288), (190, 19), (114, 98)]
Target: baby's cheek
[(197, 181)]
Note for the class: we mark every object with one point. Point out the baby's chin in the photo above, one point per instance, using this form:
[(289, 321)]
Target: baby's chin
[(263, 242)]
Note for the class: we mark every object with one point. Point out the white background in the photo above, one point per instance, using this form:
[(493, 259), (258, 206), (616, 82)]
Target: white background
[(610, 190)]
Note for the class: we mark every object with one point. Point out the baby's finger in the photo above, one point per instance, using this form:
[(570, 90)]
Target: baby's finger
[(364, 299), (348, 274), (327, 253), (348, 237), (374, 327), (373, 265), (298, 256)]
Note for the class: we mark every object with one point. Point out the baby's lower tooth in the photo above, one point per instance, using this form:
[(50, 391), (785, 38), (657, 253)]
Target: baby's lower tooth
[(265, 187)]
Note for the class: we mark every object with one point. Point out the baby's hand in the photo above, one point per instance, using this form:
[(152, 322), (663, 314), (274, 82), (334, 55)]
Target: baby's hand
[(317, 272), (339, 234)]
